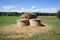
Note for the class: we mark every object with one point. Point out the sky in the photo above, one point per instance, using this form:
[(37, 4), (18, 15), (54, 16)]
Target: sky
[(50, 6)]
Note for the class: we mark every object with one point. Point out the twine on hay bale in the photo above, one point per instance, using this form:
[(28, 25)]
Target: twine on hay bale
[(22, 22), (35, 22)]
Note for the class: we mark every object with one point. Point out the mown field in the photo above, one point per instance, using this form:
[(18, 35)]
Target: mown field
[(53, 34)]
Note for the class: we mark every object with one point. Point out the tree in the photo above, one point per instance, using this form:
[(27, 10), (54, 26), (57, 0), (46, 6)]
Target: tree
[(58, 14)]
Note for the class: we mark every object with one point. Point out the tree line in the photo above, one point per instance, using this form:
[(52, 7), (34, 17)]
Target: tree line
[(45, 14), (19, 14), (10, 14)]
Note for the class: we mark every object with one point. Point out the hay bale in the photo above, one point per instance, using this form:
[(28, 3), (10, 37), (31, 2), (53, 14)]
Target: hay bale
[(28, 16), (22, 22), (35, 22)]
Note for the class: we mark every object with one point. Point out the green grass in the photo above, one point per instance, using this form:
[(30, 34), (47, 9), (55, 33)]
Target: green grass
[(55, 22), (7, 20), (53, 34)]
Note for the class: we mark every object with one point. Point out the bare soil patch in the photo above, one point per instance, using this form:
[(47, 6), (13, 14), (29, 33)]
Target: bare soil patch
[(25, 31)]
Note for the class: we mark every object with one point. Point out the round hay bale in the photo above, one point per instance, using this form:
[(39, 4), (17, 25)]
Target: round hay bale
[(28, 16), (35, 22), (22, 22)]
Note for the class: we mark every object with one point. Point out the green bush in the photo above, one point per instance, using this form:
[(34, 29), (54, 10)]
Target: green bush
[(58, 14)]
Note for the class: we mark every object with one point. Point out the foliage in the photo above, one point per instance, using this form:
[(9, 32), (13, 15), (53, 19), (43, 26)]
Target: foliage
[(10, 14), (58, 14), (45, 14), (19, 14)]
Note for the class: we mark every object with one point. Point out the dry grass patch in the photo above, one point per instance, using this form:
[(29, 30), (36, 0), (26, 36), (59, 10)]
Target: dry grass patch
[(25, 31), (47, 17)]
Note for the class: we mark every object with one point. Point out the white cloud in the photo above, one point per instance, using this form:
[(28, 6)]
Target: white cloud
[(8, 7), (49, 10), (33, 7), (20, 10), (1, 10), (23, 8)]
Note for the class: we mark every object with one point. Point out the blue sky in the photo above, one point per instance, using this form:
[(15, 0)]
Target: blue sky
[(29, 5)]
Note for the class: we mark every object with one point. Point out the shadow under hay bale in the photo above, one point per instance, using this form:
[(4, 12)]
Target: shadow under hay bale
[(42, 25)]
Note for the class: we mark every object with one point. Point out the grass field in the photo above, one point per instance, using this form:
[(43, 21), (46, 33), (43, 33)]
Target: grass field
[(7, 20), (53, 34)]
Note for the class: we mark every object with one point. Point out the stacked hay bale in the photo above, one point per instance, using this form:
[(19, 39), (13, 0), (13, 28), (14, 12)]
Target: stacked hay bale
[(35, 22), (30, 18), (22, 22)]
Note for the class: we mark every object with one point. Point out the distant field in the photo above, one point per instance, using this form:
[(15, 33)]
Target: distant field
[(47, 16), (53, 34)]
